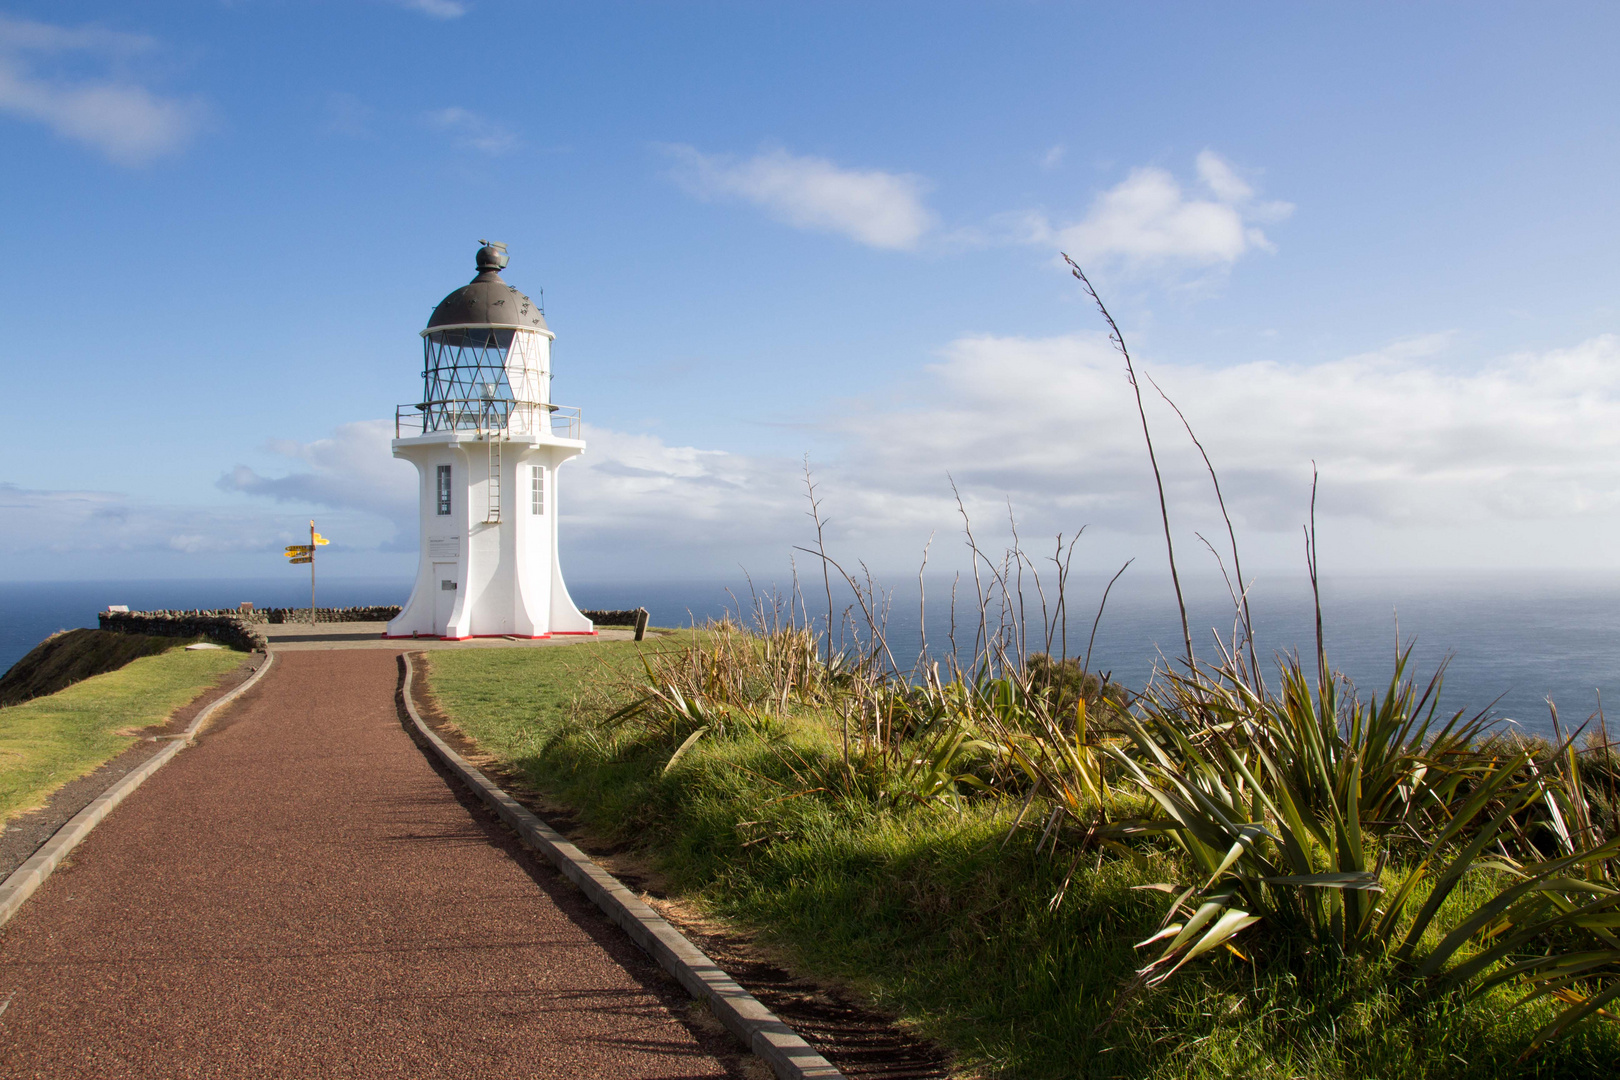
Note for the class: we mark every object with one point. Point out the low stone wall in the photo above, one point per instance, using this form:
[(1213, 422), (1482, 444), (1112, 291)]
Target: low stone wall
[(613, 618), (230, 626), (376, 613), (636, 618), (225, 628)]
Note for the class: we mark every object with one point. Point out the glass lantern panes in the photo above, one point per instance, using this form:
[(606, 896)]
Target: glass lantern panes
[(485, 379)]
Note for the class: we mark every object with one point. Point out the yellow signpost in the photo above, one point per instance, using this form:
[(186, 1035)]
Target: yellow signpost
[(305, 553)]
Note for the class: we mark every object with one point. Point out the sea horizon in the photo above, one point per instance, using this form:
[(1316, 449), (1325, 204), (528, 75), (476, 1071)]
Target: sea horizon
[(1509, 641)]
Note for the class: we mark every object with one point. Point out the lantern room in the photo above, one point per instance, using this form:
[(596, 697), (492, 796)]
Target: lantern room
[(487, 356)]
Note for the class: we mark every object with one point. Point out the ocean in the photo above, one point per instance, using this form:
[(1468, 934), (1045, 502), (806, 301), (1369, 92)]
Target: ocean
[(1513, 641)]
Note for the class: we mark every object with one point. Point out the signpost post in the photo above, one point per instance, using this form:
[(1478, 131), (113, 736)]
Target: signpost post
[(305, 553)]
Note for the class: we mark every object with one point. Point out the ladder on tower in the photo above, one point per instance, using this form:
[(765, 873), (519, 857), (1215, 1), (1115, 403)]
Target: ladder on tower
[(494, 441)]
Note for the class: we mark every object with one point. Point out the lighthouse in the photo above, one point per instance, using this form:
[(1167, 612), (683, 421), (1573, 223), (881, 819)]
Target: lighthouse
[(487, 444)]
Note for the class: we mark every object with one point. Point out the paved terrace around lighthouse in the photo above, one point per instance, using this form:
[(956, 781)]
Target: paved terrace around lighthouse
[(302, 637), (302, 895)]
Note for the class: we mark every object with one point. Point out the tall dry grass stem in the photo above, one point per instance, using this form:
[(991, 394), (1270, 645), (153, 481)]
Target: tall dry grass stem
[(821, 546), (1231, 533), (1118, 340), (1092, 641)]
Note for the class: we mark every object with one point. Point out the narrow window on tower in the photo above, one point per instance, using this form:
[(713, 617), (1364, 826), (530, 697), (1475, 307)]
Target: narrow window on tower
[(444, 490), (537, 489)]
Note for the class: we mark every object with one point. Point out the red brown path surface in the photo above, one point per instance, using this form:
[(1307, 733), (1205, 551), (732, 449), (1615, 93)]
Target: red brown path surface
[(302, 895)]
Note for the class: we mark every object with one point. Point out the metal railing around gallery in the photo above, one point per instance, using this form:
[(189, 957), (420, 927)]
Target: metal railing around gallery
[(505, 417)]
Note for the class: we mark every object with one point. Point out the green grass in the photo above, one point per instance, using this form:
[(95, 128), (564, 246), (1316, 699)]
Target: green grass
[(50, 741), (922, 910), (72, 655)]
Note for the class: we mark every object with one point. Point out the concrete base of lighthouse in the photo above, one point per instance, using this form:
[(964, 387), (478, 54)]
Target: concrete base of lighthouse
[(489, 563)]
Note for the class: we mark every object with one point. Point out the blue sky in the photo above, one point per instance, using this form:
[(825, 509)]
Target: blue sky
[(1380, 237)]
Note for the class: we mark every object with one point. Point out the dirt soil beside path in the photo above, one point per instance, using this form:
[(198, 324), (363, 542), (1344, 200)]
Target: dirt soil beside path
[(302, 895), (23, 834)]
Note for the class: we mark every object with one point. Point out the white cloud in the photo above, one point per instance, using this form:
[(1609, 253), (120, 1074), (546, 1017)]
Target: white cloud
[(876, 208), (1218, 176), (1149, 223), (369, 499), (473, 130), (1423, 461), (20, 35), (614, 491), (129, 123), (64, 524), (1053, 157), (437, 9), (1402, 439), (353, 469), (1481, 461)]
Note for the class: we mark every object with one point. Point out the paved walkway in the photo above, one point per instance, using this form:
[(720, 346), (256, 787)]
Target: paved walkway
[(301, 895)]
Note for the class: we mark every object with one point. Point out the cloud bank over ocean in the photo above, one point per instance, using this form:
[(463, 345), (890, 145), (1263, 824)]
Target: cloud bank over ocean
[(1402, 439)]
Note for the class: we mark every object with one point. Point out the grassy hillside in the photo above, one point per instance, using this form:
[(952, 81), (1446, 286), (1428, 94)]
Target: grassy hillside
[(51, 740), (72, 655), (1012, 945)]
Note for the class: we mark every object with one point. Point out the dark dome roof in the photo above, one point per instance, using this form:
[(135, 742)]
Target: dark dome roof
[(487, 300)]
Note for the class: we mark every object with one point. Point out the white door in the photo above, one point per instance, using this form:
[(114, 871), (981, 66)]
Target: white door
[(444, 595)]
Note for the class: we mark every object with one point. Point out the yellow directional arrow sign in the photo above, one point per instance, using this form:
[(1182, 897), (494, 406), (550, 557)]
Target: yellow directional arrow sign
[(305, 553)]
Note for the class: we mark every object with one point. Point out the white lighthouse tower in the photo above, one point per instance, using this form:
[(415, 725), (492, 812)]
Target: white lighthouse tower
[(487, 443)]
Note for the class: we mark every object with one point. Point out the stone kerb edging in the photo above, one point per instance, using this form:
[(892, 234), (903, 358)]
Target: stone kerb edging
[(788, 1055), (27, 878)]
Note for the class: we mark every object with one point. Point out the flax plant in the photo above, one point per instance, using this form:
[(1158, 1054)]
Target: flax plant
[(1350, 825), (1296, 805)]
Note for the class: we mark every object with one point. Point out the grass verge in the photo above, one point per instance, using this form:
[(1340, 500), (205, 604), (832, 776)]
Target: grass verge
[(930, 911), (52, 740), (73, 655)]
